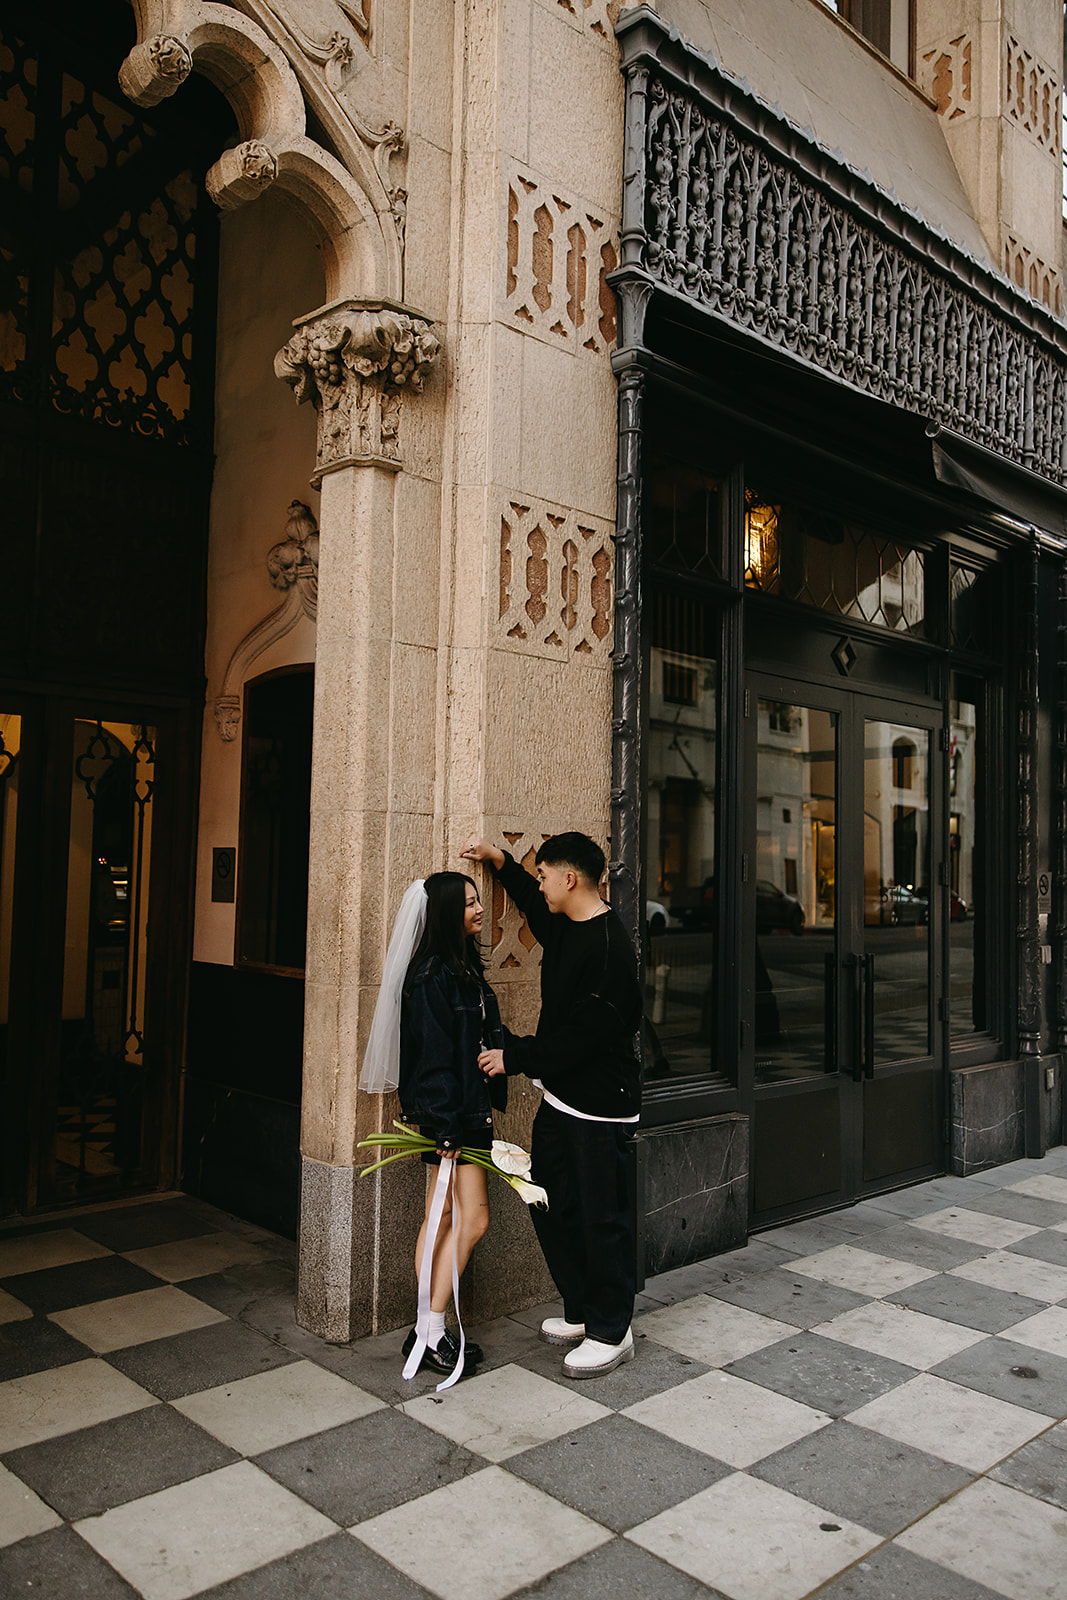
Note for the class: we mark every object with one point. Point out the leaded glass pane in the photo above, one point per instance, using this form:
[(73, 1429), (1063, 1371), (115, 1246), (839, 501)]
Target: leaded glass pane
[(686, 529), (835, 565)]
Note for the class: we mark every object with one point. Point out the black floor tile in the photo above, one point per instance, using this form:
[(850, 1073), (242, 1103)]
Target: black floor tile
[(94, 1469), (790, 1297), (653, 1369), (1026, 1377), (80, 1284), (924, 1248), (1020, 1208), (140, 1227), (59, 1565), (1044, 1246), (187, 1363), (617, 1472), (1039, 1468), (618, 1571), (822, 1373), (368, 1466), (240, 1287), (337, 1568), (873, 1481), (895, 1574), (36, 1345), (972, 1305)]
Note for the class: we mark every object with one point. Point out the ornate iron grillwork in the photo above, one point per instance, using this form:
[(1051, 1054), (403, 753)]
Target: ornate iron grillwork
[(101, 218), (736, 209)]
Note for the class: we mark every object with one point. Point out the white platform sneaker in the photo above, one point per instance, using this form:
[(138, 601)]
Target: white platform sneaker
[(557, 1330), (593, 1358)]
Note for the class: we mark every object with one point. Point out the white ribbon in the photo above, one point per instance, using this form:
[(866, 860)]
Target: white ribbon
[(442, 1187)]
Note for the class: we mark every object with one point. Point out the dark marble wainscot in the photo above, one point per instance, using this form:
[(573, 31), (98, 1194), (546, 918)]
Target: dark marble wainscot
[(694, 1181), (988, 1116)]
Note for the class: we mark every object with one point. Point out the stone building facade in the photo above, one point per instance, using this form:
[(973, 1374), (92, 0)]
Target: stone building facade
[(519, 415)]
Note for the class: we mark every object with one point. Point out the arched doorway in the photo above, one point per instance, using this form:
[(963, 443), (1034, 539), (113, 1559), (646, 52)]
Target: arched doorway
[(108, 245)]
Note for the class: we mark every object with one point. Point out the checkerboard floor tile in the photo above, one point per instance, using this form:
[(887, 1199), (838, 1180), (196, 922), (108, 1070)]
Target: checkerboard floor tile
[(859, 1407)]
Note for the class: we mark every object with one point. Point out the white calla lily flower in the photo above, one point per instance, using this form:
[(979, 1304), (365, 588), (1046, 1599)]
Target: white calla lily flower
[(510, 1158), (532, 1193)]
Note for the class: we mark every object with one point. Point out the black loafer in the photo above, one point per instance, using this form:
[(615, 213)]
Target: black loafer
[(444, 1358)]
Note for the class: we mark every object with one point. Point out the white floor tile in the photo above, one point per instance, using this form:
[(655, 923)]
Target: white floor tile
[(1047, 1330), (998, 1537), (862, 1271), (499, 1413), (893, 1331), (729, 1418), (482, 1537), (12, 1310), (1043, 1187), (129, 1319), (976, 1227), (22, 1513), (195, 1258), (712, 1331), (1039, 1280), (753, 1541), (960, 1425), (47, 1404), (273, 1408), (36, 1251), (173, 1544)]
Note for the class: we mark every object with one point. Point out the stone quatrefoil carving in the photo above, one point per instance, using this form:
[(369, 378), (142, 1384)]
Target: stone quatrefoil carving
[(735, 228)]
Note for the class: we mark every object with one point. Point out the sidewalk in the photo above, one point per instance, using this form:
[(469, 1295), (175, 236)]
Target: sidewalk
[(861, 1407)]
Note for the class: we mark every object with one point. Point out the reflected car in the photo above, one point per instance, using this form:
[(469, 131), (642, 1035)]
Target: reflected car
[(957, 906), (901, 905), (775, 909)]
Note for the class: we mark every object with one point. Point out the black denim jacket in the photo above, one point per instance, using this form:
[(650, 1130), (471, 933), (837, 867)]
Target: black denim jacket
[(445, 1020)]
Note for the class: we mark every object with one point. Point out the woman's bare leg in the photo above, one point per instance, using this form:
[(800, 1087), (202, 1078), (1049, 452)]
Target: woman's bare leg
[(466, 1217)]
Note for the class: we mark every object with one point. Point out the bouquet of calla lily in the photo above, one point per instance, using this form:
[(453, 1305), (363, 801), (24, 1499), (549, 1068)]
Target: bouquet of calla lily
[(508, 1161)]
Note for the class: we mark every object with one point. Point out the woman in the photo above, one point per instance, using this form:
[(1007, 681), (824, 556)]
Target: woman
[(447, 1015)]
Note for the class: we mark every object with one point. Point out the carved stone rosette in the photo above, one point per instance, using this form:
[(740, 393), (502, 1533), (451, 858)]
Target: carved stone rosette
[(354, 361)]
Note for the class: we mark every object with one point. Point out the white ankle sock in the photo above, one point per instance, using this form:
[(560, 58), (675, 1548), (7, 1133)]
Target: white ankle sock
[(435, 1327)]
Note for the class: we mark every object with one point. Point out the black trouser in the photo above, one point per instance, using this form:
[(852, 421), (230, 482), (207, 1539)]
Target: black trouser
[(587, 1233)]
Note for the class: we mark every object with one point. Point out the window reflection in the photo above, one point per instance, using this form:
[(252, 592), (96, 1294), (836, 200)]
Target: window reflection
[(681, 838), (967, 1002)]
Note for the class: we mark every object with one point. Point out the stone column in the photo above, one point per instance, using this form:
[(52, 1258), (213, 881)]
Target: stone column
[(357, 362)]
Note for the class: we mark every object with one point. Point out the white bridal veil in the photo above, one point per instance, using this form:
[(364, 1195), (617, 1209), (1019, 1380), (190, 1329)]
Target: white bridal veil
[(381, 1064)]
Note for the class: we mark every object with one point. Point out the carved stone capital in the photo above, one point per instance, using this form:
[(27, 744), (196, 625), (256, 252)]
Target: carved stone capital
[(354, 361), (228, 716), (241, 174), (154, 69)]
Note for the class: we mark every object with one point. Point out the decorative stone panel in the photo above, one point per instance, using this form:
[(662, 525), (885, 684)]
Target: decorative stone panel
[(515, 954), (1032, 95), (555, 595), (1031, 273), (945, 75), (559, 251), (738, 211)]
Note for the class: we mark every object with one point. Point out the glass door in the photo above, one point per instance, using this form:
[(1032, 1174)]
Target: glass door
[(88, 908), (842, 1032)]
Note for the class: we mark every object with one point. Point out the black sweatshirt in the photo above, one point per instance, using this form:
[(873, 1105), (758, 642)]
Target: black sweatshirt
[(584, 1051)]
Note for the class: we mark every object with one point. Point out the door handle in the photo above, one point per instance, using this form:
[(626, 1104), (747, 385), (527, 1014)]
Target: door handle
[(853, 966), (868, 1015), (829, 1013)]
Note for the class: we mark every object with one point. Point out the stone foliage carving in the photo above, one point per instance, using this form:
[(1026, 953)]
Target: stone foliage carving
[(730, 225), (555, 576), (559, 252), (292, 567), (1032, 95), (353, 361), (597, 18)]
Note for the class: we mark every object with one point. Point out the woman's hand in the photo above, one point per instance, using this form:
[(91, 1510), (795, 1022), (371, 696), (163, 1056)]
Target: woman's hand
[(491, 1062), (482, 850), (447, 1154)]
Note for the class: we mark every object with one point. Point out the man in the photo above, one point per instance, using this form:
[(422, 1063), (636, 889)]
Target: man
[(584, 1059)]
